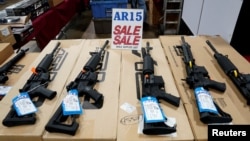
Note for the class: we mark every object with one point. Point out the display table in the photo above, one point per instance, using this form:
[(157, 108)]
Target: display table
[(49, 24)]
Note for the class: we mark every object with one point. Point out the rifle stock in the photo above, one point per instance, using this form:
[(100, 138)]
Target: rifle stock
[(54, 126)]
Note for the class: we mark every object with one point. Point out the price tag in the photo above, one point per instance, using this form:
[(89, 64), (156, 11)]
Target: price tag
[(71, 104), (23, 104), (152, 110), (204, 101), (4, 90)]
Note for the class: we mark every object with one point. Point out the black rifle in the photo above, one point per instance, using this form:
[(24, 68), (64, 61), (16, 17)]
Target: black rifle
[(153, 85), (84, 83), (240, 80), (36, 87), (197, 77), (7, 66)]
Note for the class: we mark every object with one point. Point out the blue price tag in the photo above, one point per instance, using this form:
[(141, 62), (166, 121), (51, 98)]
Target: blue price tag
[(152, 110), (204, 101), (23, 104), (71, 104)]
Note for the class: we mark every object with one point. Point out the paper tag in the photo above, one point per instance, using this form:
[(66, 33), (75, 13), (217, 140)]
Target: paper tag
[(23, 104), (151, 110), (71, 104), (204, 101), (4, 90), (128, 107)]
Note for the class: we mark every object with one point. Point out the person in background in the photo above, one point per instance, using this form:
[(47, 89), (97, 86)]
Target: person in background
[(141, 4)]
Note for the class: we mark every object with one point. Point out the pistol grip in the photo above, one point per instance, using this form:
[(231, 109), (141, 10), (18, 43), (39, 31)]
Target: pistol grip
[(171, 99), (44, 92)]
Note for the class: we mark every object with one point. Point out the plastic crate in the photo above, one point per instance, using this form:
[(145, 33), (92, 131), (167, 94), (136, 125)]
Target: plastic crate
[(103, 8), (102, 25)]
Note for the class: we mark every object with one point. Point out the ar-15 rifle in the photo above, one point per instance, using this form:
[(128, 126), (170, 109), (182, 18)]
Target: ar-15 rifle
[(199, 80), (7, 66), (84, 83), (154, 86), (36, 87), (241, 81)]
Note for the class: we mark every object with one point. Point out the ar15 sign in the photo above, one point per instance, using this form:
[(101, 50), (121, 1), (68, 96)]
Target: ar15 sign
[(127, 28)]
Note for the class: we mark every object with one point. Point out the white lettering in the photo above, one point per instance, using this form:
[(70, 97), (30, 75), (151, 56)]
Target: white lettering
[(216, 132)]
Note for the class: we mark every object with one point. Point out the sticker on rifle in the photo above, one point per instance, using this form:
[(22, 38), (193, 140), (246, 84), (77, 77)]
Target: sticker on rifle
[(71, 104), (204, 101), (23, 104), (151, 110)]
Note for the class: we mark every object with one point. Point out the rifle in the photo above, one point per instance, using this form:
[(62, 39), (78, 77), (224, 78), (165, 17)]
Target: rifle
[(153, 85), (7, 66), (199, 80), (36, 87), (84, 83), (240, 80)]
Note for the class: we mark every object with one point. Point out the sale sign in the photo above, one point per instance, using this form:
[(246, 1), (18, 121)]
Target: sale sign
[(127, 26)]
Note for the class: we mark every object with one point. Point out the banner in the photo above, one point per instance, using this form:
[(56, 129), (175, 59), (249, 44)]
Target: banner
[(127, 27)]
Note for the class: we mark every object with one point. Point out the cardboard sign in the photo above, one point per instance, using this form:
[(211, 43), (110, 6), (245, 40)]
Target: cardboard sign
[(127, 28)]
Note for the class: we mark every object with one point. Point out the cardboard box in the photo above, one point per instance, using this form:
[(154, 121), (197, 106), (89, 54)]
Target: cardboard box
[(10, 10), (22, 32), (6, 35), (10, 39), (25, 7), (5, 32), (6, 51), (53, 3), (63, 63), (128, 119), (96, 124), (202, 58), (18, 69), (15, 20)]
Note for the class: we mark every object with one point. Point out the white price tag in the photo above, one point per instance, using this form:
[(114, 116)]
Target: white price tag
[(4, 90), (128, 107)]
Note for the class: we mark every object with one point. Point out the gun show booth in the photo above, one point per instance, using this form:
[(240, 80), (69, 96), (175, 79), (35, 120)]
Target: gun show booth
[(119, 85)]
